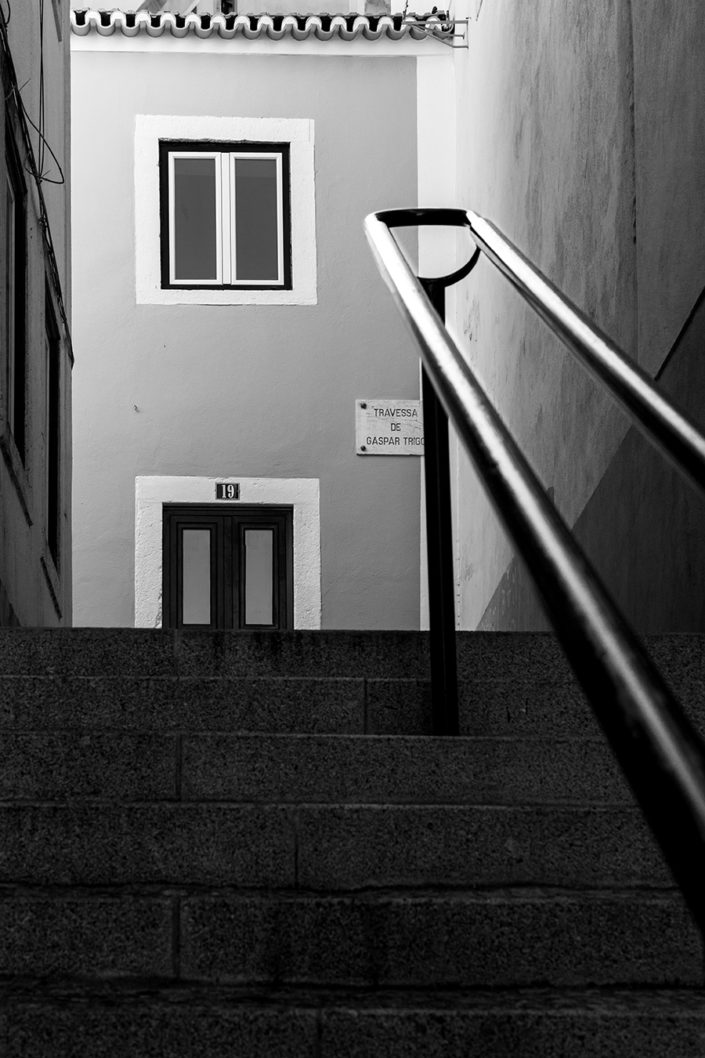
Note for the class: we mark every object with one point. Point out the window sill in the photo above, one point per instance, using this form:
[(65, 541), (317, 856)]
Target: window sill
[(204, 296)]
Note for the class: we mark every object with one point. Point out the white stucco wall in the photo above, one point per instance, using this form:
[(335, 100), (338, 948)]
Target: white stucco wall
[(245, 391)]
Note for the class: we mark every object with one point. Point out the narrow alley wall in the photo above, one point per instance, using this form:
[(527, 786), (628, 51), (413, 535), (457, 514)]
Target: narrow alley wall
[(580, 135), (35, 306)]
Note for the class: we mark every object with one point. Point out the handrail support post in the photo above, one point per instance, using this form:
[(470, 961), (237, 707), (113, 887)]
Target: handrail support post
[(439, 547)]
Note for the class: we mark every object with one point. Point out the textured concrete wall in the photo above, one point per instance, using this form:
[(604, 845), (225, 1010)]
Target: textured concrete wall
[(32, 590), (256, 391), (580, 136), (644, 526)]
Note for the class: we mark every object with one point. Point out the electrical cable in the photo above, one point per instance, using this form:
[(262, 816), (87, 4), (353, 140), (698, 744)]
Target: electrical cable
[(11, 91), (38, 172), (40, 160)]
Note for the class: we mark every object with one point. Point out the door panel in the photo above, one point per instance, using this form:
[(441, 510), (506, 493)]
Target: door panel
[(227, 566)]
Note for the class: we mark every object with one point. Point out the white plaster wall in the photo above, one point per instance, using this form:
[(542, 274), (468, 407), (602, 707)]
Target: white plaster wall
[(254, 391)]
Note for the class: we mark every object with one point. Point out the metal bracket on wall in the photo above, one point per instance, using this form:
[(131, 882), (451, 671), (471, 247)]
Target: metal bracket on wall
[(447, 33)]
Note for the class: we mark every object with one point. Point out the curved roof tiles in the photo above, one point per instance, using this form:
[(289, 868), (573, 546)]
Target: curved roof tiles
[(275, 27)]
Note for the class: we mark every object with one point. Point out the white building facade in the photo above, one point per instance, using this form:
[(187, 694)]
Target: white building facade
[(229, 320)]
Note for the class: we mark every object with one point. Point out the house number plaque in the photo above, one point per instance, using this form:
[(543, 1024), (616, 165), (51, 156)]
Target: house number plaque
[(227, 490)]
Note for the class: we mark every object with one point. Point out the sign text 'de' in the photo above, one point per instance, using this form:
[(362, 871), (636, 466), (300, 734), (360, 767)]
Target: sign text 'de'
[(388, 427)]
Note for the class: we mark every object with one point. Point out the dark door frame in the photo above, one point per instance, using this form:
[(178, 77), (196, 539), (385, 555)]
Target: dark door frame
[(228, 524)]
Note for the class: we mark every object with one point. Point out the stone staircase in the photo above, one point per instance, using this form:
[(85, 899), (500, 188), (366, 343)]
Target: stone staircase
[(238, 845)]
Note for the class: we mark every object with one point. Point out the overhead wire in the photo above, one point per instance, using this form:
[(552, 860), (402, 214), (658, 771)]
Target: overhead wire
[(12, 91)]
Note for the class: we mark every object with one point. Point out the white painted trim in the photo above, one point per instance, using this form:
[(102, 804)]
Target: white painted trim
[(262, 45), (217, 179), (297, 132), (303, 494)]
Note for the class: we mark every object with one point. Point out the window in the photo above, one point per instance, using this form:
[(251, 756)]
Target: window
[(53, 366), (225, 215), (15, 299), (225, 210)]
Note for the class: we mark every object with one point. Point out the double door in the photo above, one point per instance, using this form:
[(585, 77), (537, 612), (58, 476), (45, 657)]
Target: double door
[(227, 566)]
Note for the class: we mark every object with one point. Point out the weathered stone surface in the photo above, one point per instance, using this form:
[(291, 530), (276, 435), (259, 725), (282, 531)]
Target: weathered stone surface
[(89, 764), (166, 703), (51, 703), (91, 937), (147, 844), (86, 652), (390, 769), (462, 940), (530, 1024), (530, 1027), (311, 654), (364, 847), (140, 1030), (271, 704)]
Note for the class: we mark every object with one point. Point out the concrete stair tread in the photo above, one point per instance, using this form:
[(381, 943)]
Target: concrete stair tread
[(248, 844), (496, 938), (305, 768), (280, 996), (341, 847), (305, 1024)]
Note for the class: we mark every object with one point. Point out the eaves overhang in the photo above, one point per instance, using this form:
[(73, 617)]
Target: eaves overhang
[(273, 27)]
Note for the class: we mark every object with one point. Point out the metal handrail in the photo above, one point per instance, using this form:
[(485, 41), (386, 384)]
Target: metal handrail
[(656, 745)]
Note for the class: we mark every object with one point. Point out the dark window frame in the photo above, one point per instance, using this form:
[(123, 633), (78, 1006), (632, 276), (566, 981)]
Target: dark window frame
[(16, 297), (53, 435), (167, 147)]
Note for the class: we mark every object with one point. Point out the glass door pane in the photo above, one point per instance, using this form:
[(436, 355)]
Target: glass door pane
[(259, 576), (196, 576)]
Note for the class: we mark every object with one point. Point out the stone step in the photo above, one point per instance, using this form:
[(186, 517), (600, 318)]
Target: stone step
[(274, 769), (499, 939), (282, 705), (495, 939), (303, 681), (482, 656), (192, 1023), (326, 848)]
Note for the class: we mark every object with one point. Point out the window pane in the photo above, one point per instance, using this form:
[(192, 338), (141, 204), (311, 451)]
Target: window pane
[(256, 223), (259, 576), (10, 247), (195, 219), (196, 576)]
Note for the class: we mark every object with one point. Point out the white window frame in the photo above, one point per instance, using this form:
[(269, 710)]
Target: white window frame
[(221, 223), (236, 156), (298, 133)]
